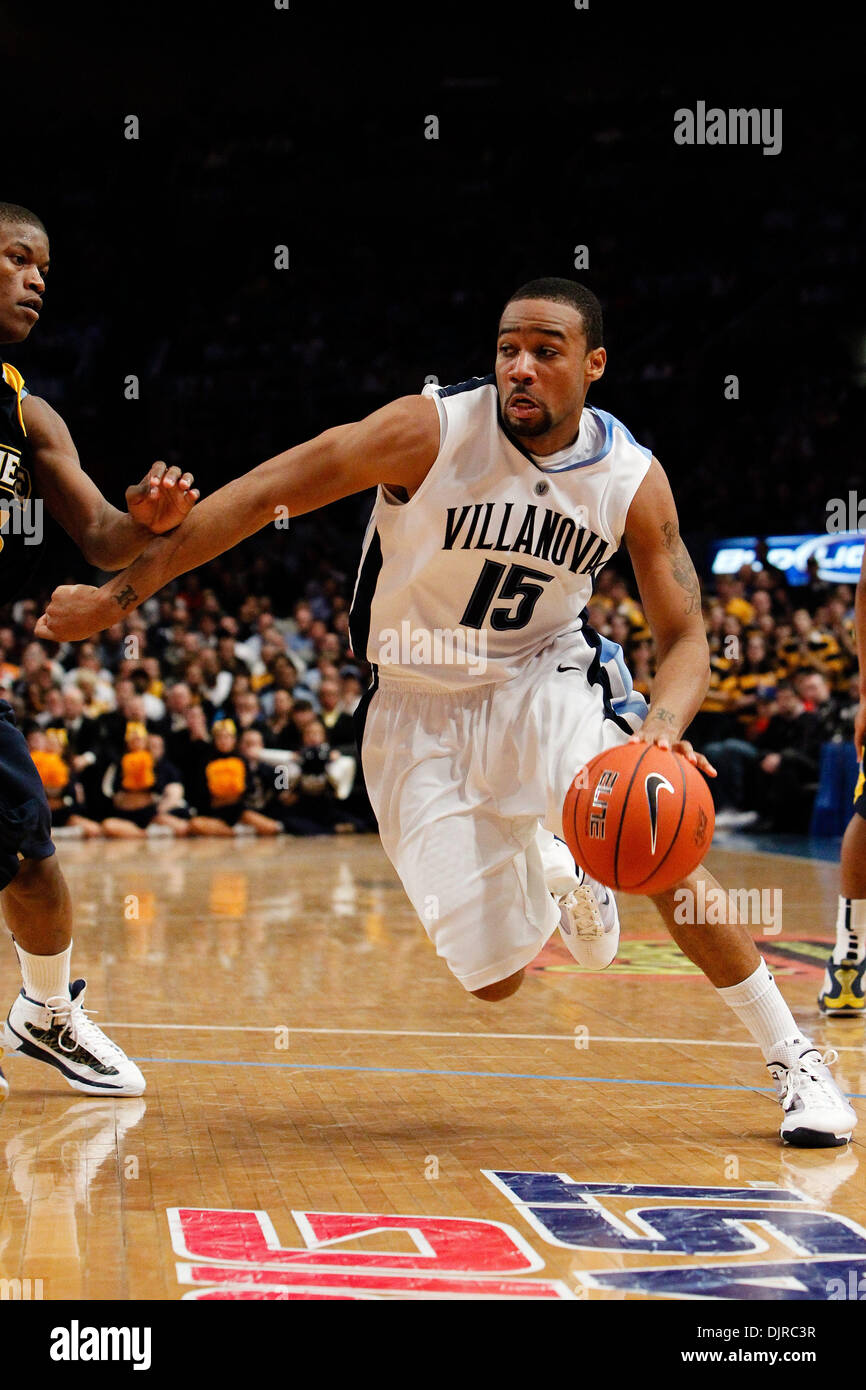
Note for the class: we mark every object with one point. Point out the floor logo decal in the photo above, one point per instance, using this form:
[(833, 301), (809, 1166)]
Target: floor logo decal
[(711, 1237), (237, 1255), (711, 1223)]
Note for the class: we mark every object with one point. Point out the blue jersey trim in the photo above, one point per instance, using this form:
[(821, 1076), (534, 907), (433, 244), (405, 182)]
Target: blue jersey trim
[(615, 708), (473, 383), (610, 424)]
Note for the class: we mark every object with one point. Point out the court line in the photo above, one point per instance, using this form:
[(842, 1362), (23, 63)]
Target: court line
[(429, 1071), (422, 1033)]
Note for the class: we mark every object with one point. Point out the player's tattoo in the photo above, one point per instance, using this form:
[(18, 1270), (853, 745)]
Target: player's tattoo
[(681, 564), (126, 597), (664, 716)]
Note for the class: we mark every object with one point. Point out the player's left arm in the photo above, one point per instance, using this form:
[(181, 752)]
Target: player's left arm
[(671, 598), (108, 538)]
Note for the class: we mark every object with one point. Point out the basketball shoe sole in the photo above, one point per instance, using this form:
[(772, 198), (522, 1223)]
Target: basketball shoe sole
[(589, 924)]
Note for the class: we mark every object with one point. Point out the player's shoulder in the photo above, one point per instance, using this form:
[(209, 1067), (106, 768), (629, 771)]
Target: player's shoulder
[(40, 417), (613, 433), (11, 379), (12, 388), (13, 393), (460, 388), (468, 407)]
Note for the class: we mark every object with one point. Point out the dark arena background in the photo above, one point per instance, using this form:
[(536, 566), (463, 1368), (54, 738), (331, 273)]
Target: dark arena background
[(269, 220)]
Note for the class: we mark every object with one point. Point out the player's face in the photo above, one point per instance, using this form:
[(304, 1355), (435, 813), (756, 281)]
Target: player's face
[(23, 266), (543, 372)]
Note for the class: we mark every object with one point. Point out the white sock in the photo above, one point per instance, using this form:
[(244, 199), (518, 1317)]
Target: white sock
[(45, 977), (761, 1009), (850, 931)]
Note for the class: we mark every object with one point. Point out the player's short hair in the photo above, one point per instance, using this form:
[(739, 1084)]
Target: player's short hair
[(567, 292), (13, 215)]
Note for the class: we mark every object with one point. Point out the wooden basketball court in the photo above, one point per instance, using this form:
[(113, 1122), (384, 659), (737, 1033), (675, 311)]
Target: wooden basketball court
[(328, 1115)]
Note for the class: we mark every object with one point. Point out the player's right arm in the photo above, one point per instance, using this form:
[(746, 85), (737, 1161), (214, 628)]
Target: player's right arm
[(396, 445)]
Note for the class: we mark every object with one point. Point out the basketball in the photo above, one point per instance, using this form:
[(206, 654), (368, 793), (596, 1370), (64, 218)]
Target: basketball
[(639, 818)]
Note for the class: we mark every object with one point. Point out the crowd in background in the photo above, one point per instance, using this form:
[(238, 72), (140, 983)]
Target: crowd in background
[(224, 705), (196, 715)]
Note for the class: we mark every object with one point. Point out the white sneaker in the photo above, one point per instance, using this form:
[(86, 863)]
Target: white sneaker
[(589, 923), (817, 1115), (60, 1033)]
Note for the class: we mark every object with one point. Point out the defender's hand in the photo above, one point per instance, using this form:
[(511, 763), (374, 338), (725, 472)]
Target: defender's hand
[(162, 499), (682, 746), (75, 612)]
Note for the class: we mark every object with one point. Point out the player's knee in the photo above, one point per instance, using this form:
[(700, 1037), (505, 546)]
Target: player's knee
[(34, 875), (501, 989)]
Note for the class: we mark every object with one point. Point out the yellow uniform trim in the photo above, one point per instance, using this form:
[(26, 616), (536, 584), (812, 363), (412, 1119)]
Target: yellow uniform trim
[(13, 378)]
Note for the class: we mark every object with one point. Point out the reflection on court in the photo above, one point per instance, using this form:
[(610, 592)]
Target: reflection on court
[(328, 1114)]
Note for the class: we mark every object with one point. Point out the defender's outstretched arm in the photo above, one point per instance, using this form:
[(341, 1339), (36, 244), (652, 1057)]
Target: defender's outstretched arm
[(397, 445), (108, 538)]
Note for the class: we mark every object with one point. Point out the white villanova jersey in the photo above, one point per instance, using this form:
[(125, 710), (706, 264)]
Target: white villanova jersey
[(494, 555)]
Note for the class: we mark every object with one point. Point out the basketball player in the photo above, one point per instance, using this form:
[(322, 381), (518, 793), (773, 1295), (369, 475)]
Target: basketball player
[(39, 464), (498, 501), (842, 994)]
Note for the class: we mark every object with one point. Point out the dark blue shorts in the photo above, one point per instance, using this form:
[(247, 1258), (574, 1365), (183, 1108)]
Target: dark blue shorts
[(860, 789), (25, 819)]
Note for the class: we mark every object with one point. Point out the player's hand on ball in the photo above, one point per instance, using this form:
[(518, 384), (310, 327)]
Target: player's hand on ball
[(162, 499), (76, 611), (681, 746)]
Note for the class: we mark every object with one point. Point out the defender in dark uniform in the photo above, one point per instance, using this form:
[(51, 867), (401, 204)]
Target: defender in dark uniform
[(39, 468), (843, 993)]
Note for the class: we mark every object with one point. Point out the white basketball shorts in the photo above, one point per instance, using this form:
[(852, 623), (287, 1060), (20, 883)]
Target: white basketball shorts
[(468, 788)]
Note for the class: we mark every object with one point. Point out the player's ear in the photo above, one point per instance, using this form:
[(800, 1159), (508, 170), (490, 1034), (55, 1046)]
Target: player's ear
[(594, 364)]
